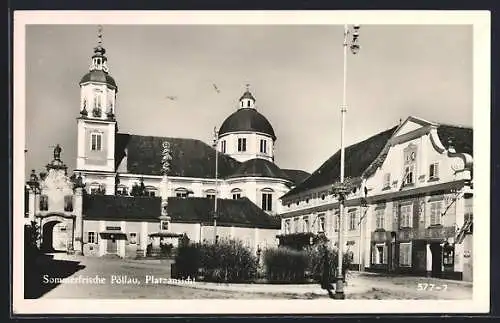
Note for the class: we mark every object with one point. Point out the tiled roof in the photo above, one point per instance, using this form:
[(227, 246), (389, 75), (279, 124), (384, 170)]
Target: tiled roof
[(259, 167), (240, 212), (190, 157), (114, 207), (297, 176), (357, 159), (461, 138)]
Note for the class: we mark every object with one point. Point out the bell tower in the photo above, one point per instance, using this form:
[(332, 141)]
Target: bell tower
[(97, 124)]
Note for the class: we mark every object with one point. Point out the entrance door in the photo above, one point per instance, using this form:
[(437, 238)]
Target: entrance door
[(437, 258), (112, 246)]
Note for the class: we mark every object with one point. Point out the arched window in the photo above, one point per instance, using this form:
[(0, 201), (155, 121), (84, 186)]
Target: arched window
[(236, 193), (97, 189), (151, 191), (182, 192), (210, 193)]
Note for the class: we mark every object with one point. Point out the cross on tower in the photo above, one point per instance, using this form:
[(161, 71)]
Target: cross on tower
[(99, 34)]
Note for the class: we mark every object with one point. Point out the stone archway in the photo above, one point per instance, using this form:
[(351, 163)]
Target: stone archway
[(56, 233)]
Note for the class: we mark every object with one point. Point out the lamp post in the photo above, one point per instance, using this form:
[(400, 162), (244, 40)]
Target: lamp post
[(351, 41), (216, 140)]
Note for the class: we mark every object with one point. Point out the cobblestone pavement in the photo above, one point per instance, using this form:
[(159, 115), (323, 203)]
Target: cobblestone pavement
[(119, 279)]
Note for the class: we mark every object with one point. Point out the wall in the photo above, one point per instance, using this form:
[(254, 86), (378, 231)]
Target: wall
[(252, 146)]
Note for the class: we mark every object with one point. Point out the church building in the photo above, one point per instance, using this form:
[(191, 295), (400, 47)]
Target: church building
[(130, 193)]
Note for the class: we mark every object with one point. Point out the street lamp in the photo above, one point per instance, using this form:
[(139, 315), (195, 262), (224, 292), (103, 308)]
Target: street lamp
[(216, 140), (351, 41)]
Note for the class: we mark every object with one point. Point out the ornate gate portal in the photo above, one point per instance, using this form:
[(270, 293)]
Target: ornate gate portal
[(56, 233)]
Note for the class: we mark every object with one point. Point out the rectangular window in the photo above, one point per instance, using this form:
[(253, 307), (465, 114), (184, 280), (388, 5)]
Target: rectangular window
[(267, 201), (405, 254), (435, 214), (223, 146), (434, 171), (352, 220), (296, 224), (211, 196), (91, 237), (151, 193), (133, 238), (263, 146), (406, 216), (181, 194), (287, 226), (68, 203), (121, 191), (380, 219), (387, 180), (242, 144), (96, 142), (336, 222), (306, 224), (322, 225), (44, 203), (236, 196)]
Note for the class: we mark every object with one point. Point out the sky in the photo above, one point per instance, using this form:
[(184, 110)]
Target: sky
[(295, 73)]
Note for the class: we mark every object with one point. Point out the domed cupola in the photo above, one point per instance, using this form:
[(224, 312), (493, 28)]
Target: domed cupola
[(246, 133), (98, 88)]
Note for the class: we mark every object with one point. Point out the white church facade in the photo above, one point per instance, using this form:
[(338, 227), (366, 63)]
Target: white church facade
[(127, 190)]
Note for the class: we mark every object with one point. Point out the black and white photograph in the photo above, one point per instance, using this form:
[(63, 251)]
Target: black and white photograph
[(251, 162)]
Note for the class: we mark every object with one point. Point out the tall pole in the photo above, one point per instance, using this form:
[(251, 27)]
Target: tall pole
[(339, 290), (216, 140)]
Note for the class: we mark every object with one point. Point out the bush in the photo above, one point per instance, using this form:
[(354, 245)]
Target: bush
[(323, 263), (226, 261), (166, 249), (285, 265), (188, 261)]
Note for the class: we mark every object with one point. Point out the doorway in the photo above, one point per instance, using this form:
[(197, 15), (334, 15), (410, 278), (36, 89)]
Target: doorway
[(112, 246), (54, 236), (437, 259)]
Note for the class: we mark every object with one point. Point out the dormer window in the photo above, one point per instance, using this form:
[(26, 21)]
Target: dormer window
[(248, 103), (387, 180)]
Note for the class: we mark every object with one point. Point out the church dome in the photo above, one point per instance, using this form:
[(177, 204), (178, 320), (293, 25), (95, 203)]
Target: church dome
[(101, 77), (247, 119)]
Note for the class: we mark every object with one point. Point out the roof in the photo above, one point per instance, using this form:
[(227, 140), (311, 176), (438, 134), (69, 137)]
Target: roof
[(259, 167), (116, 207), (190, 157), (297, 176), (241, 212), (357, 159), (247, 119), (461, 138), (247, 95), (99, 76)]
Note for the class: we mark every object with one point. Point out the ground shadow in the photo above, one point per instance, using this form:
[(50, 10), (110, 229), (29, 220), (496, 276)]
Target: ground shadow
[(39, 270)]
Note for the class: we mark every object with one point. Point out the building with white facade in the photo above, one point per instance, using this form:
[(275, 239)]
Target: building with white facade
[(128, 188), (410, 209)]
